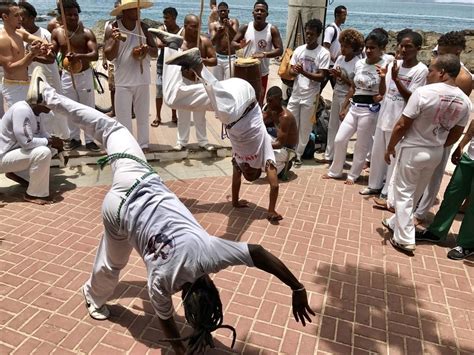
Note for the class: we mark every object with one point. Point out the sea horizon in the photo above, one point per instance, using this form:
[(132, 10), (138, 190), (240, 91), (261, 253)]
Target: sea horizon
[(426, 15)]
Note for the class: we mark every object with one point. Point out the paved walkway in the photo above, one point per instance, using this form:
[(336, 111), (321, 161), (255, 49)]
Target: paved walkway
[(368, 297)]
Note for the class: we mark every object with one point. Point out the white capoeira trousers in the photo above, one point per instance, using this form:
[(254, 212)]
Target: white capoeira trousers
[(83, 93), (14, 91), (360, 120), (230, 105), (303, 110), (114, 249), (431, 191), (184, 127), (30, 164), (139, 96), (379, 170), (415, 166), (222, 70), (334, 123)]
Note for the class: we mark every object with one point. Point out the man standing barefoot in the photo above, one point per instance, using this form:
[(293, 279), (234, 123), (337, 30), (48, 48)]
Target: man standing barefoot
[(77, 80)]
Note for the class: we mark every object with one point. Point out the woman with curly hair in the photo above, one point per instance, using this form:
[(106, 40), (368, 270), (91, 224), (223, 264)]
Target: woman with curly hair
[(352, 42), (362, 115)]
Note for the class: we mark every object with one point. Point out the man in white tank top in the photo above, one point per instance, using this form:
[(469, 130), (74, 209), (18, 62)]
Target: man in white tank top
[(261, 40), (131, 59)]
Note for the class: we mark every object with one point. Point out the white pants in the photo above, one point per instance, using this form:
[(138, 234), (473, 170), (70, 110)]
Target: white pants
[(415, 168), (360, 120), (303, 110), (139, 96), (184, 126), (281, 156), (228, 98), (2, 103), (222, 70), (114, 249), (30, 164), (334, 123), (431, 191), (83, 93), (14, 91), (379, 170)]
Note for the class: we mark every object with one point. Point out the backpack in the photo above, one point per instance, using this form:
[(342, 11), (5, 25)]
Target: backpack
[(334, 36), (318, 137)]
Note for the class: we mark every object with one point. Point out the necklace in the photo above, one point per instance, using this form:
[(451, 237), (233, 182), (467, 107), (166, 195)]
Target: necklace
[(72, 35)]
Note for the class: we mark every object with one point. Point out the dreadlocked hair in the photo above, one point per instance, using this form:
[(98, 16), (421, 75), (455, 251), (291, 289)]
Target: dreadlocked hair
[(203, 312)]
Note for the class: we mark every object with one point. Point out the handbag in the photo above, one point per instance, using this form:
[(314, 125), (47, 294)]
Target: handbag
[(285, 65)]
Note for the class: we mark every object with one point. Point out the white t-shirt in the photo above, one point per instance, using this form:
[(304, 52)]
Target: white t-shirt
[(173, 245), (335, 49), (348, 71), (393, 103), (250, 141), (312, 61), (366, 78), (436, 109), (21, 128)]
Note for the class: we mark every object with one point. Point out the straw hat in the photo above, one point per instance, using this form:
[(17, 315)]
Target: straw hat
[(130, 4)]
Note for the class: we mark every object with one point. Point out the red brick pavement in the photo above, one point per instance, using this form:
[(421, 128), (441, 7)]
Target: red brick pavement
[(368, 297)]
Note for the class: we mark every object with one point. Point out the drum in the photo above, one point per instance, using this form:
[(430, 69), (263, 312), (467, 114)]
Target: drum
[(249, 70)]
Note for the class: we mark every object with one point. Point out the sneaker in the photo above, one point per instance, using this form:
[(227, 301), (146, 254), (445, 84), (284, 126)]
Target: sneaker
[(190, 58), (406, 247), (298, 162), (72, 144), (171, 40), (460, 253), (92, 147), (101, 313), (208, 147), (37, 84), (426, 236), (179, 147), (368, 191)]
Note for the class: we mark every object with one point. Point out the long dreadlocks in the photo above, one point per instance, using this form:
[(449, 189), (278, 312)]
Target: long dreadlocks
[(203, 312)]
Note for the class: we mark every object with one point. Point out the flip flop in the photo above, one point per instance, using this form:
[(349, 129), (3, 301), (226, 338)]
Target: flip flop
[(274, 218), (155, 123)]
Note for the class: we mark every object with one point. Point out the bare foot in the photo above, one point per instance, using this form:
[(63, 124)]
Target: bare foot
[(17, 179), (274, 217), (327, 176), (38, 200), (349, 182), (111, 114), (418, 222)]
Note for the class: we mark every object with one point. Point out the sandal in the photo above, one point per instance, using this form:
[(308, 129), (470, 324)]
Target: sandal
[(156, 122)]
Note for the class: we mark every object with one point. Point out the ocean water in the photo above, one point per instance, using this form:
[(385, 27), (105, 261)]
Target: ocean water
[(428, 15)]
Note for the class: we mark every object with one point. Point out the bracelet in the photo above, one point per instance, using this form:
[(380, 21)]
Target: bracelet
[(299, 290)]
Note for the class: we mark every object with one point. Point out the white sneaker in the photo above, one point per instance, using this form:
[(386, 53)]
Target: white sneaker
[(208, 147), (169, 39), (101, 313), (179, 147), (37, 84)]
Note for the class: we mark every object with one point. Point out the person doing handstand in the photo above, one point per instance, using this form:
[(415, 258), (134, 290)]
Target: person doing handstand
[(234, 104), (140, 212)]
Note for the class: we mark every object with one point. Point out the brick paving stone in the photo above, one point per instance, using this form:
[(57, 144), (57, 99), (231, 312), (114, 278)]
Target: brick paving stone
[(369, 298)]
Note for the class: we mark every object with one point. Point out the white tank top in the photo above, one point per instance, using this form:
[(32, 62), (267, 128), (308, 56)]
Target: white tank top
[(127, 68), (261, 41)]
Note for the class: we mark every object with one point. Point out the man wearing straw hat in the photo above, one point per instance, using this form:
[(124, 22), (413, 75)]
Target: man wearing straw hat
[(129, 46)]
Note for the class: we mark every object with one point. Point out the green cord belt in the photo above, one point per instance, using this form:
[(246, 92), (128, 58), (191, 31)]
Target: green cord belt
[(109, 159)]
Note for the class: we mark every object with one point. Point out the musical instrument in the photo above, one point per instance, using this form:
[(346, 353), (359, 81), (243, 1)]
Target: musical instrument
[(249, 70), (72, 67)]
